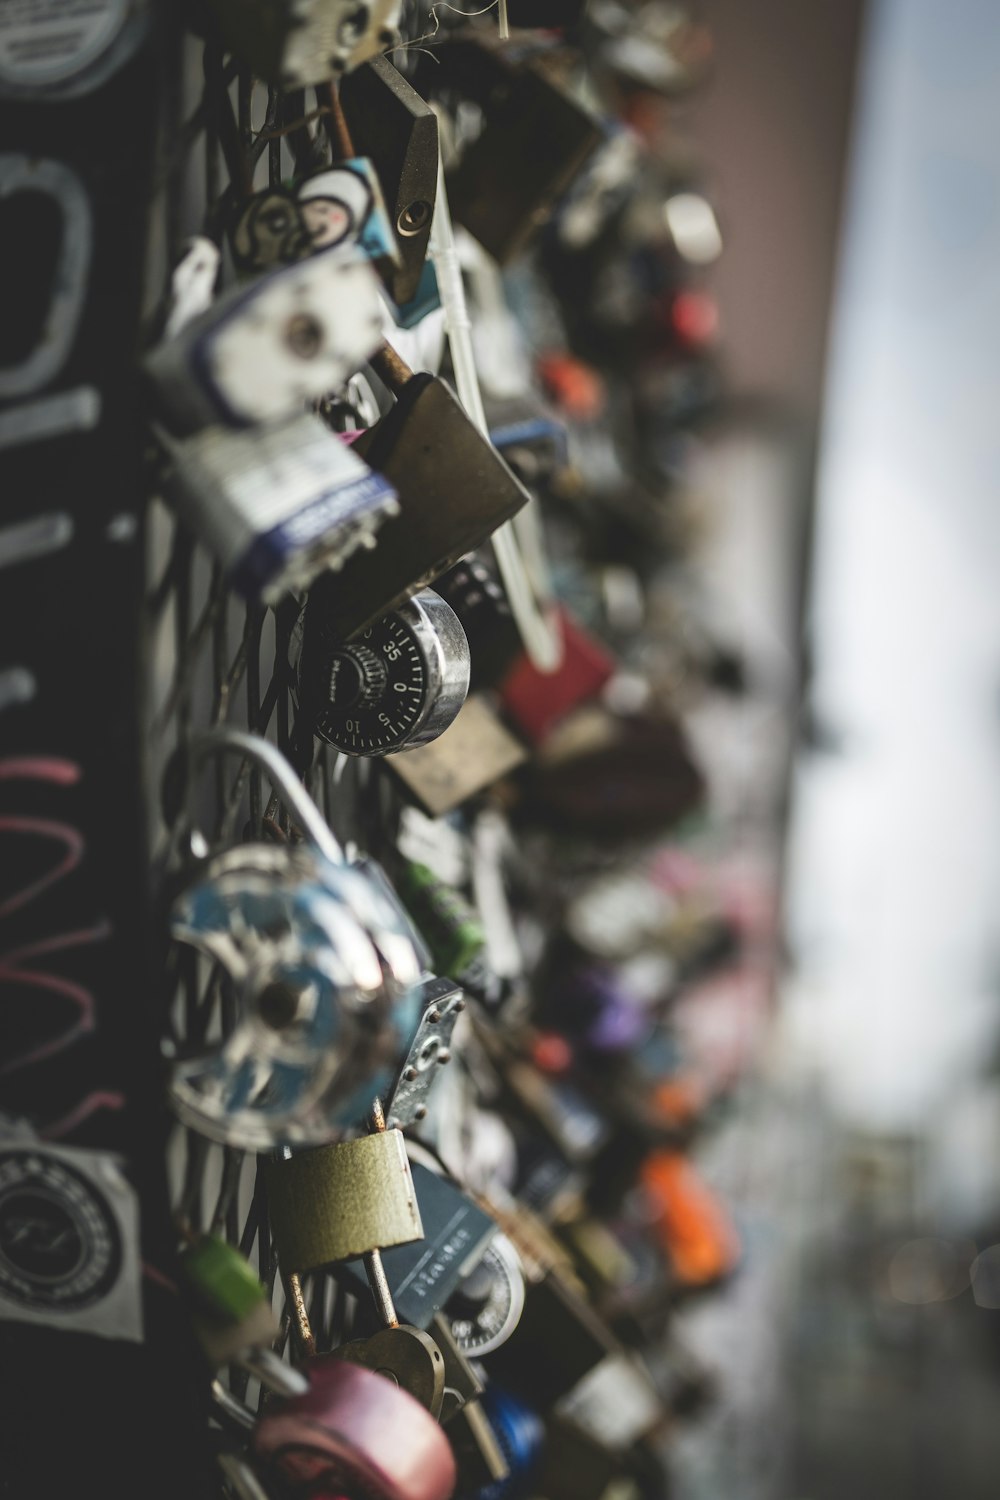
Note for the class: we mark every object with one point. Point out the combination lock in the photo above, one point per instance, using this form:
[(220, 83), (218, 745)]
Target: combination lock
[(397, 685)]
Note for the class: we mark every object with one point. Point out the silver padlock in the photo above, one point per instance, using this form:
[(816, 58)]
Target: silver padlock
[(276, 505), (323, 972), (296, 42), (265, 349)]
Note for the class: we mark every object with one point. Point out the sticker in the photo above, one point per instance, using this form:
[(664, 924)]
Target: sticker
[(69, 1239), (342, 206), (47, 41)]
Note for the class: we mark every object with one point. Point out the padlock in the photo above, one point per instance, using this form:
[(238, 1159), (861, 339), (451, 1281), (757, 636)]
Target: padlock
[(292, 43), (397, 685), (276, 505), (232, 1314), (478, 599), (612, 777), (577, 1466), (443, 1003), (322, 970), (537, 701), (559, 1340), (422, 1277), (475, 752), (453, 488), (504, 186), (694, 1229), (486, 1306), (338, 207), (531, 439), (354, 1432), (520, 1434), (361, 1200), (264, 350), (478, 1455), (446, 921), (360, 1196), (398, 132), (615, 1402), (407, 1356)]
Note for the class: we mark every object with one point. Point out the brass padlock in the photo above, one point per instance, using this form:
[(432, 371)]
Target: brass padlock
[(398, 132), (342, 1201), (454, 490), (473, 753)]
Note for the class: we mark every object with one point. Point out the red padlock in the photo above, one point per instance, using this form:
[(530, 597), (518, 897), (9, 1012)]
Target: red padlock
[(355, 1432), (536, 701)]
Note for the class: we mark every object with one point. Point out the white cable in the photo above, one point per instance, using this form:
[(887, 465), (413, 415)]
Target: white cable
[(542, 638)]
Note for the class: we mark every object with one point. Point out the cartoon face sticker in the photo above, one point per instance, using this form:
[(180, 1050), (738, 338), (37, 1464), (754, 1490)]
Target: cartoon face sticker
[(271, 232), (334, 206)]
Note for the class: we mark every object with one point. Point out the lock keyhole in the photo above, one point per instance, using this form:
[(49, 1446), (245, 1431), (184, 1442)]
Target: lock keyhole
[(304, 335), (414, 217)]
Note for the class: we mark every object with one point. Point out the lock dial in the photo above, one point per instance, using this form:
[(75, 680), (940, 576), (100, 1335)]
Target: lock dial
[(486, 1307), (399, 684)]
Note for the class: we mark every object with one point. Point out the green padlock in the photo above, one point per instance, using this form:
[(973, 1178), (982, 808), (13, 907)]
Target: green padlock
[(446, 921), (232, 1314)]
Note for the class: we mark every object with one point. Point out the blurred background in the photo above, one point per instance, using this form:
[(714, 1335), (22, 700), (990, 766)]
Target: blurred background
[(856, 165)]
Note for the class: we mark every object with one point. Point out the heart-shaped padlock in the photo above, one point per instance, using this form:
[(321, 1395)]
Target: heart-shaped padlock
[(323, 972)]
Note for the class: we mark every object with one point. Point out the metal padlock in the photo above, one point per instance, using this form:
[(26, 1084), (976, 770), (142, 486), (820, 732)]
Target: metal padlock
[(558, 1341), (232, 1314), (355, 1432), (504, 187), (323, 975), (398, 131), (453, 489), (477, 1452), (342, 1201), (615, 1402), (478, 599), (422, 1277), (339, 207), (296, 42), (264, 350), (276, 505), (361, 1200), (397, 685), (443, 1002), (486, 1306), (475, 752)]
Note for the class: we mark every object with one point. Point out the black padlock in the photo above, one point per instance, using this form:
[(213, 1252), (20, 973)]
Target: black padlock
[(398, 132), (535, 139), (479, 601), (454, 491)]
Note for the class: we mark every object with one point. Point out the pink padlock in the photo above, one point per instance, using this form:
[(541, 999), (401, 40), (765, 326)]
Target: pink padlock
[(355, 1434)]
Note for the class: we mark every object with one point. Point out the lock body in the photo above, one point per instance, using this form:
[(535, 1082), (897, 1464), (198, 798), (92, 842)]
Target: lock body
[(277, 505), (473, 753), (504, 186), (322, 972), (454, 491), (398, 131), (296, 42), (355, 1432), (342, 1201), (263, 351), (398, 685)]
